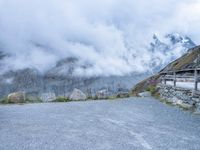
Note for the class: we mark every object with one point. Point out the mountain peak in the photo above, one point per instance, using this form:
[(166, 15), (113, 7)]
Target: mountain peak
[(176, 38), (168, 49)]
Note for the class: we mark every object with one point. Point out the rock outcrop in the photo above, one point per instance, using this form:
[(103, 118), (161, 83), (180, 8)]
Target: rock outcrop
[(18, 97), (77, 95), (145, 94), (48, 97), (123, 94), (102, 94)]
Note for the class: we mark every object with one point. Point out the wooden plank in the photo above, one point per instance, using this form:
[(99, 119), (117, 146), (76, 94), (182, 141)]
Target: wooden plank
[(177, 76)]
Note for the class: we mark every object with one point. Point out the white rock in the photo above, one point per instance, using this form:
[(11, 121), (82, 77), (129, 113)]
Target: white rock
[(77, 95), (102, 94), (145, 94), (48, 97), (179, 102)]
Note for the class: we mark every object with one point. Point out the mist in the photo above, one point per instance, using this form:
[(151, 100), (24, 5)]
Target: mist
[(111, 35)]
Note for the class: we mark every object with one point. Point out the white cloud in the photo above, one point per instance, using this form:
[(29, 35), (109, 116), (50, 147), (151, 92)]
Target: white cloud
[(106, 33)]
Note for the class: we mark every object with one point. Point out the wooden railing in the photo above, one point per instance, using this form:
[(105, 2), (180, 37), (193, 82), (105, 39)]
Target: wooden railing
[(175, 76), (180, 71)]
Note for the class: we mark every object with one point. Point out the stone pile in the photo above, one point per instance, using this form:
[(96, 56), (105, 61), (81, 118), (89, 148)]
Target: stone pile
[(179, 96)]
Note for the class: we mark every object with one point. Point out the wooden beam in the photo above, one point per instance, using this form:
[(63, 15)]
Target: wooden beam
[(195, 80), (174, 79), (183, 70)]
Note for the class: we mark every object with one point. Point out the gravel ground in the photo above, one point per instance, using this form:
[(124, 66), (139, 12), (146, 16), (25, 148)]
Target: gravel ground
[(130, 124)]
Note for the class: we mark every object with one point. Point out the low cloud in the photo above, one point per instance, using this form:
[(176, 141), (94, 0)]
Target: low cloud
[(111, 35)]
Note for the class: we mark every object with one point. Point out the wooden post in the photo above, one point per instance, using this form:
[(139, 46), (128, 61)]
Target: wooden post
[(195, 80), (174, 79), (164, 79)]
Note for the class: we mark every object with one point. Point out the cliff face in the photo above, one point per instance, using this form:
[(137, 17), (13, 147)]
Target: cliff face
[(33, 83)]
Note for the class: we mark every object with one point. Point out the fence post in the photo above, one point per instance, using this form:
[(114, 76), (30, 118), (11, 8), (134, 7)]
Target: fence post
[(174, 79), (195, 80), (164, 78)]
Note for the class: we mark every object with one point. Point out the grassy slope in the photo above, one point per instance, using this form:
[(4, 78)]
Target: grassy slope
[(148, 84), (184, 61)]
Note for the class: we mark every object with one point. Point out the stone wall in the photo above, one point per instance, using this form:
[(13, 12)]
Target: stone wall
[(179, 96)]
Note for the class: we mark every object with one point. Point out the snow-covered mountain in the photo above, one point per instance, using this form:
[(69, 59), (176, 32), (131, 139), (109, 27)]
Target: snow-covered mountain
[(168, 49)]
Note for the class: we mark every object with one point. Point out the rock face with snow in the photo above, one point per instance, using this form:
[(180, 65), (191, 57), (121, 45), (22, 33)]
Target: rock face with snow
[(77, 95), (18, 97), (184, 41), (27, 80), (168, 49), (170, 42)]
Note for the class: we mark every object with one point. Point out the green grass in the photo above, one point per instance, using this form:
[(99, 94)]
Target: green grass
[(27, 100), (4, 100), (113, 97), (183, 61), (151, 89), (33, 100), (169, 102), (148, 84), (62, 99)]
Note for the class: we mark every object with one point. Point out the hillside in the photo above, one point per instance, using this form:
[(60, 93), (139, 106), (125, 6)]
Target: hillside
[(187, 61)]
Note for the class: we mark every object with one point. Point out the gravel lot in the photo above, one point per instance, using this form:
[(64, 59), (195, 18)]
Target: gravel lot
[(129, 124)]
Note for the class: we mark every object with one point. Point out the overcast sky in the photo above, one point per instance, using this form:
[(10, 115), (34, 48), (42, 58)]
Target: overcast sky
[(104, 33)]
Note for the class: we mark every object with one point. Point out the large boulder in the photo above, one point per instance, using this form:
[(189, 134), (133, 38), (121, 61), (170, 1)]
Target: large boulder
[(123, 94), (102, 94), (18, 97), (77, 95), (145, 94), (48, 97)]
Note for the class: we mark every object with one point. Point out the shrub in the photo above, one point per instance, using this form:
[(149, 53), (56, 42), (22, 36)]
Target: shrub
[(62, 99), (152, 89), (113, 97), (33, 100), (89, 97), (4, 100)]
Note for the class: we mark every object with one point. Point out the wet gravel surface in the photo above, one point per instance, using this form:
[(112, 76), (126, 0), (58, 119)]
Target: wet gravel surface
[(129, 124)]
